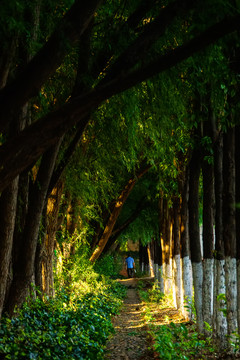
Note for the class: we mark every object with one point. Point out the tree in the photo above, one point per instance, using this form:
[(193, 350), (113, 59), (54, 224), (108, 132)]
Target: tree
[(28, 145), (194, 234), (229, 230), (115, 213), (86, 63)]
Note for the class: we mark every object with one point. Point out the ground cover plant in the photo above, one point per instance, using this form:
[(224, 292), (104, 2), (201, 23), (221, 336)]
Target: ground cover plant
[(75, 324), (173, 338)]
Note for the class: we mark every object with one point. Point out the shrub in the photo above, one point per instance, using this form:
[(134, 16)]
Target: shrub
[(70, 326), (109, 266)]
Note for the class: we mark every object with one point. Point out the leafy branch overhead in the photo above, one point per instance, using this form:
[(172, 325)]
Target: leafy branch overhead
[(142, 41)]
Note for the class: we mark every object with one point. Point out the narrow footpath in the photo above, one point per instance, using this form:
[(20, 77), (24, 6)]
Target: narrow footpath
[(130, 341)]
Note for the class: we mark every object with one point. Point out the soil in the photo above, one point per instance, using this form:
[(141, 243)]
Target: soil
[(130, 341)]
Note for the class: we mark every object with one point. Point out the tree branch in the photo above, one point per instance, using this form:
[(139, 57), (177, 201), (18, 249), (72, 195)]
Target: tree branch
[(45, 62), (116, 211), (21, 151)]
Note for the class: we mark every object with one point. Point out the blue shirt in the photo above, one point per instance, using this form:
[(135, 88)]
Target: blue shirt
[(129, 261)]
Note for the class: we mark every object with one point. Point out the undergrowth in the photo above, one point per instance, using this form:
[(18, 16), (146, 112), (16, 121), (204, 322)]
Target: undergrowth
[(75, 324), (173, 340)]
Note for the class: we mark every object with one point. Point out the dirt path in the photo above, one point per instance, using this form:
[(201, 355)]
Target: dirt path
[(130, 341)]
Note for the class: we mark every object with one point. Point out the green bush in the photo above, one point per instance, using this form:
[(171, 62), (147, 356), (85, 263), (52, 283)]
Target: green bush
[(109, 266), (177, 342), (75, 324), (153, 295), (60, 328)]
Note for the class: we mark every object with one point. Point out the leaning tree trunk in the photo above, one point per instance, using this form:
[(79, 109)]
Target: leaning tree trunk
[(194, 235), (23, 268), (115, 213), (150, 251), (111, 245), (229, 228), (45, 254), (8, 203), (10, 221), (8, 199)]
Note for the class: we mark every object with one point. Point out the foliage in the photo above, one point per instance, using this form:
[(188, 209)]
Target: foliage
[(47, 330), (109, 265), (75, 324), (153, 295), (176, 341), (77, 275), (221, 298)]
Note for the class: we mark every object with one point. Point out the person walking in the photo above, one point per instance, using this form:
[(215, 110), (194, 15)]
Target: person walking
[(130, 265)]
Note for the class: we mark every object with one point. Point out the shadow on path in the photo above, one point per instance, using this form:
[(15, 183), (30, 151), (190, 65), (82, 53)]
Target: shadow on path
[(130, 341)]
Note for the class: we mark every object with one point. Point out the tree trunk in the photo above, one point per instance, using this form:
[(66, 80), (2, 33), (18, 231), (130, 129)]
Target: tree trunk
[(219, 284), (237, 162), (185, 250), (150, 259), (194, 235), (158, 262), (116, 232), (45, 256), (176, 253), (229, 228), (161, 235), (23, 267), (166, 249), (207, 172), (143, 258), (115, 213), (8, 203), (208, 237)]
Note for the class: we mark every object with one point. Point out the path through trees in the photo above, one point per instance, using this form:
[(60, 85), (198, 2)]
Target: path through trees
[(130, 340)]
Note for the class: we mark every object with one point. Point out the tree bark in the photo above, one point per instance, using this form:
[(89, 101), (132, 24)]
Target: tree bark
[(150, 259), (194, 234), (23, 268), (8, 204), (187, 292), (207, 172), (44, 260), (161, 234), (219, 284), (158, 262), (166, 248), (176, 253), (237, 165), (208, 237), (229, 228), (143, 258)]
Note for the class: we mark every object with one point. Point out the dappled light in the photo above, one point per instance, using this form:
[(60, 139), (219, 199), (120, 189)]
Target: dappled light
[(119, 179)]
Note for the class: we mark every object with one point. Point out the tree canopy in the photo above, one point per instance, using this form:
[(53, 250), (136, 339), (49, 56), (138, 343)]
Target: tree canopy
[(128, 43)]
